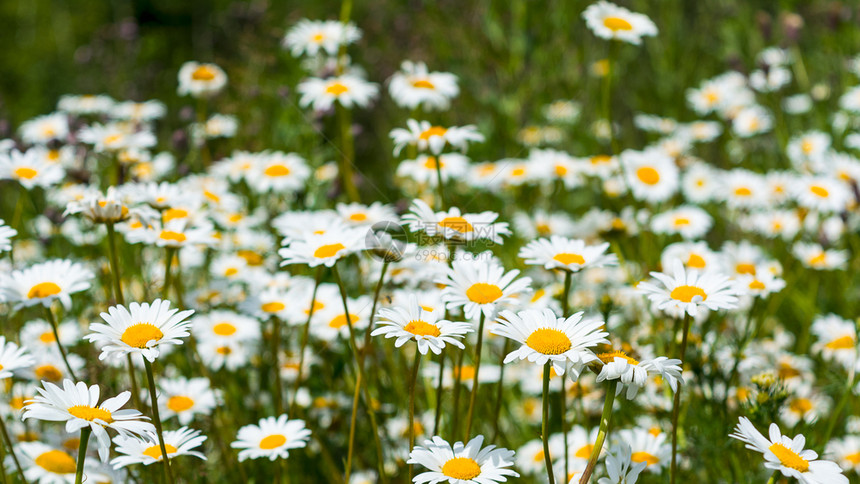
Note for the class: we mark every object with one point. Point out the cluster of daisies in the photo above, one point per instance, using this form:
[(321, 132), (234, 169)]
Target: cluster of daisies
[(580, 333)]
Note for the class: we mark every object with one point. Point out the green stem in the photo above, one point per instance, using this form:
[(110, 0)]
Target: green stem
[(347, 149), (474, 398), (544, 433), (603, 432), (676, 406), (412, 384), (82, 454), (156, 419), (168, 264), (497, 409), (8, 441), (277, 390), (305, 337), (120, 299), (440, 187), (437, 418), (457, 373), (565, 307), (51, 319)]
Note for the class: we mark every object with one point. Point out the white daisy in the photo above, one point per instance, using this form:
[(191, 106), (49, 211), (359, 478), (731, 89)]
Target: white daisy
[(185, 398), (620, 466), (312, 37), (633, 373), (348, 90), (452, 224), (566, 254), (42, 129), (688, 290), (6, 234), (200, 80), (414, 86), (462, 464), (147, 450), (271, 438), (44, 283), (30, 169), (688, 221), (428, 137), (12, 358), (323, 249), (480, 286), (651, 175), (609, 21), (413, 322)]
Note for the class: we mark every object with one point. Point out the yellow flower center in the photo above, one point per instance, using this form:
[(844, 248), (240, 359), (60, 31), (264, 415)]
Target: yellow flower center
[(48, 372), (56, 461), (687, 293), (173, 214), (560, 170), (47, 337), (179, 403), (273, 307), (318, 37), (745, 268), (600, 159), (645, 457), (251, 257), (568, 258), (26, 172), (224, 329), (231, 271), (155, 451), (138, 335), (464, 373), (818, 260), (648, 175), (616, 24), (112, 139), (853, 458), (340, 321), (336, 89), (584, 452), (272, 441), (696, 261), (819, 191), (422, 328), (277, 170), (458, 224), (329, 250), (358, 217), (807, 147), (203, 73), (610, 356), (548, 341), (801, 405), (483, 293), (681, 221), (172, 236), (462, 468), (539, 456), (743, 191), (757, 285), (431, 163), (43, 289), (789, 458), (90, 413), (842, 343), (432, 131), (538, 295), (423, 84), (223, 350)]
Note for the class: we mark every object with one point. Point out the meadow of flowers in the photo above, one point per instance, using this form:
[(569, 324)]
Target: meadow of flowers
[(366, 279)]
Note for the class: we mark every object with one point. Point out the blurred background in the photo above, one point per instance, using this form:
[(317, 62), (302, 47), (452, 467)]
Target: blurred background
[(512, 57)]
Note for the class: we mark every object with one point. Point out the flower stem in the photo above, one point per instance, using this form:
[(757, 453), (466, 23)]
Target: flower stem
[(676, 406), (438, 416), (440, 187), (347, 150), (8, 442), (82, 454), (474, 398), (412, 384), (156, 419), (457, 373), (51, 319), (365, 349), (602, 433), (500, 387), (565, 307), (277, 390), (168, 263), (544, 432), (305, 335)]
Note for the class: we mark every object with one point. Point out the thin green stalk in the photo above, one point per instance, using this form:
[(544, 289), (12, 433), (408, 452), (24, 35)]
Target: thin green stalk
[(3, 478), (277, 390), (347, 149), (51, 319), (603, 431), (500, 387), (82, 454), (457, 373), (8, 441), (168, 264), (412, 385), (544, 432), (676, 406), (437, 418), (156, 419), (565, 307), (365, 349), (474, 398), (305, 337), (440, 187)]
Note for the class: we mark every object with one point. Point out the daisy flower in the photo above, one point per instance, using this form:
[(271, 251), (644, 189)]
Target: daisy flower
[(651, 175), (185, 398), (29, 169), (845, 451), (414, 86), (12, 358), (145, 111), (688, 290), (42, 129), (836, 339), (462, 464), (427, 137), (751, 121), (412, 322), (6, 234), (271, 438), (348, 90), (821, 193), (693, 255), (647, 447), (609, 21), (814, 256), (312, 37), (324, 249), (545, 337), (227, 325), (788, 455), (147, 450), (115, 137), (455, 225), (278, 172), (85, 104), (422, 170), (44, 283), (621, 467), (141, 329), (634, 374), (688, 221), (108, 208), (566, 254), (480, 286), (78, 406), (45, 464), (200, 80)]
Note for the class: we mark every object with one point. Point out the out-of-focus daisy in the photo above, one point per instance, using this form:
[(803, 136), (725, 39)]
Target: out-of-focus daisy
[(12, 358), (311, 37), (412, 322), (108, 208), (751, 121), (277, 171), (427, 137), (6, 234), (693, 255), (547, 338), (325, 249), (823, 194), (114, 137), (200, 80), (787, 455), (462, 464), (348, 90), (688, 290), (455, 225), (78, 406), (609, 21), (29, 169), (271, 438), (688, 221), (566, 254), (47, 465), (836, 339), (217, 126), (647, 447), (633, 373), (814, 256), (44, 283), (620, 466), (147, 450), (85, 104), (185, 398), (651, 175), (846, 452), (138, 111), (139, 329), (423, 169), (481, 286), (414, 86), (42, 129)]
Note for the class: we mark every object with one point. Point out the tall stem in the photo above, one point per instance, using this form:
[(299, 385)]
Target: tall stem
[(305, 336), (277, 390), (51, 319), (457, 373), (676, 406), (474, 398), (544, 432), (500, 387), (440, 379), (440, 187), (8, 441), (412, 384), (168, 264), (565, 307), (347, 149), (156, 419), (120, 299), (365, 349), (605, 421), (82, 454)]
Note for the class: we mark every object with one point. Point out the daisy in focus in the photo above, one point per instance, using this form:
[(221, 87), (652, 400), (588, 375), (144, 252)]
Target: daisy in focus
[(44, 283), (455, 225), (566, 254), (428, 137), (462, 464), (413, 322), (147, 450), (481, 286), (689, 291), (271, 438)]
